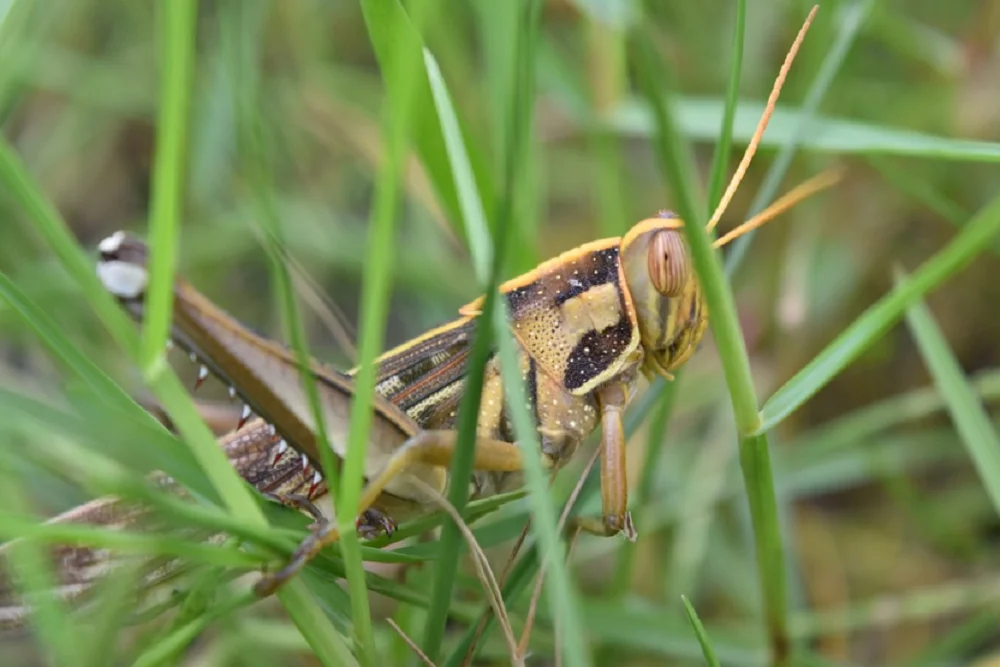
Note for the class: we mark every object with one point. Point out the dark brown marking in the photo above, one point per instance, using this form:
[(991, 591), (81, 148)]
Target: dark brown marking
[(574, 278), (595, 352)]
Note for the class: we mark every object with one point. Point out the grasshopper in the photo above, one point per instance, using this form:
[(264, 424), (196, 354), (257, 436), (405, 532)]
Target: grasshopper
[(588, 325)]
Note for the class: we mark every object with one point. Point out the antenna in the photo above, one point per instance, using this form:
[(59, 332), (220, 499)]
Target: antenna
[(810, 187), (761, 125)]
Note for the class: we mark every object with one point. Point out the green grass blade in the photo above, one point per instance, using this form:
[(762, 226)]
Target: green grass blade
[(699, 631), (881, 316), (179, 19), (62, 349), (401, 73), (391, 29), (967, 413), (678, 165), (754, 452), (698, 119), (484, 259), (721, 156)]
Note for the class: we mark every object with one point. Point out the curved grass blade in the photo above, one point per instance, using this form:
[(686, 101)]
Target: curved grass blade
[(487, 260), (871, 325), (717, 177), (484, 262), (59, 346), (177, 60), (391, 29), (967, 413)]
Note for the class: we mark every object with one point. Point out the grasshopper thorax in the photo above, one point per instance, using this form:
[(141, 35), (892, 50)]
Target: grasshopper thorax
[(660, 278)]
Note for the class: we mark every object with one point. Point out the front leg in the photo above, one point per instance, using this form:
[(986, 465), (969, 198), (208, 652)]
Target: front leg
[(614, 475)]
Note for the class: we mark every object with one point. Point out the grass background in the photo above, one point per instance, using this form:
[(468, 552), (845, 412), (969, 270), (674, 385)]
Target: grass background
[(877, 426)]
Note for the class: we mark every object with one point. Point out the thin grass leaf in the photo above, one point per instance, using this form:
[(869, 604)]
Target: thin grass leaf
[(699, 631), (698, 119), (967, 413), (391, 29), (675, 160), (169, 167), (881, 316), (401, 74), (575, 648), (65, 352), (486, 261), (717, 174)]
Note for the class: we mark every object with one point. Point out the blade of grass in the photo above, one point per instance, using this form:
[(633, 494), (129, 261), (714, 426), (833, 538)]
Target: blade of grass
[(61, 349), (179, 20), (257, 152), (488, 263), (699, 630), (699, 117), (716, 181), (574, 644), (391, 30), (485, 262), (401, 73), (967, 413), (871, 325), (675, 160)]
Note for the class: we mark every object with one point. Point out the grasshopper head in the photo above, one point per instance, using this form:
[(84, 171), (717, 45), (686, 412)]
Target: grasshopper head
[(662, 283)]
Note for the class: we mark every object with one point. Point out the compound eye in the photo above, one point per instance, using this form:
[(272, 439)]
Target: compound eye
[(669, 263)]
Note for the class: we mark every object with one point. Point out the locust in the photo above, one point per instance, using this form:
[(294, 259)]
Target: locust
[(588, 325)]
